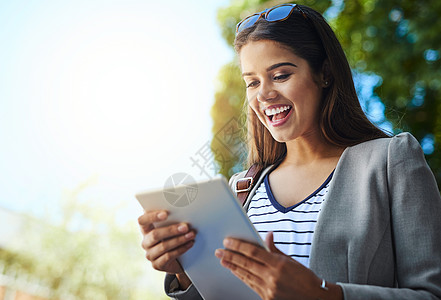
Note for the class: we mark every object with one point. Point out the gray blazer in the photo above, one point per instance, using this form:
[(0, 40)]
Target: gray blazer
[(379, 233)]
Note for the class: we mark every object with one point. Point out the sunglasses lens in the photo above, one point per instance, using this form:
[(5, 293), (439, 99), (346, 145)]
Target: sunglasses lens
[(248, 22), (279, 13)]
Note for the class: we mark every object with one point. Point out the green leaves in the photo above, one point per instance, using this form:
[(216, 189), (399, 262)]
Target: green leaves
[(396, 40)]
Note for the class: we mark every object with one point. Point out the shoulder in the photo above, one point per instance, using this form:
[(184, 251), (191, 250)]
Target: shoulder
[(381, 156), (405, 147), (400, 145)]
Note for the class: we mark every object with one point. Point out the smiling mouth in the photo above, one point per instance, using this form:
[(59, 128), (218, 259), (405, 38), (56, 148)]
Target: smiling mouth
[(278, 113)]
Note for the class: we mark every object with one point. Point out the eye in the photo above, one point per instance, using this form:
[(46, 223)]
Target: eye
[(252, 84), (281, 77)]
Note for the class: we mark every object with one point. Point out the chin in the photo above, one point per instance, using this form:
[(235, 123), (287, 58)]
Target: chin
[(280, 138)]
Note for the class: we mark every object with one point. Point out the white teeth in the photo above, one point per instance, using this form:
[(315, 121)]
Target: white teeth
[(274, 111)]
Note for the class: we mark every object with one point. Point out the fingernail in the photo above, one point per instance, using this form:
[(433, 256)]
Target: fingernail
[(218, 253), (162, 215), (189, 235), (182, 228), (227, 242)]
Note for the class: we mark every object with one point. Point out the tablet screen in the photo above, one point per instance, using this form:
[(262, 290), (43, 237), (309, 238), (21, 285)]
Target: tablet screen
[(213, 211)]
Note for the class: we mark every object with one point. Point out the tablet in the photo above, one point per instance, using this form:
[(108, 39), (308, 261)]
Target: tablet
[(213, 211)]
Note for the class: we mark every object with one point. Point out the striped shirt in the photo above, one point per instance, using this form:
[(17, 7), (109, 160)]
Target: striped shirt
[(293, 226)]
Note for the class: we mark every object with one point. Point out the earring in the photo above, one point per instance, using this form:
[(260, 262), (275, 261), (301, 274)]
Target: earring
[(326, 83)]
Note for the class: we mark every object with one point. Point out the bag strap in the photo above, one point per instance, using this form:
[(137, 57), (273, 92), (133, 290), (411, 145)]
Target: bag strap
[(245, 184)]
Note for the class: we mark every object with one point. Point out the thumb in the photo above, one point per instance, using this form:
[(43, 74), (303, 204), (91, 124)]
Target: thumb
[(270, 242)]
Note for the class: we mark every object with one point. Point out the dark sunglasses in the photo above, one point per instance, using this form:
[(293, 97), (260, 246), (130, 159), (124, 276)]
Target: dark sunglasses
[(274, 14)]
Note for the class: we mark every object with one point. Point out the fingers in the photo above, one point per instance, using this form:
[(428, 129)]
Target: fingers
[(157, 235), (236, 261), (163, 262), (149, 217), (168, 246), (248, 249), (163, 245), (246, 269), (253, 281)]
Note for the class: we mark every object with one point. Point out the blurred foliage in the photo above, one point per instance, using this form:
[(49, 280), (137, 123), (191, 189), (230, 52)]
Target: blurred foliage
[(398, 42), (228, 119), (83, 254)]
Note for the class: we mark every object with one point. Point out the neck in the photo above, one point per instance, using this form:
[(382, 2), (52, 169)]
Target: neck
[(309, 149)]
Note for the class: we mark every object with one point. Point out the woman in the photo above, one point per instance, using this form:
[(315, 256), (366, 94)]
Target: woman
[(371, 203)]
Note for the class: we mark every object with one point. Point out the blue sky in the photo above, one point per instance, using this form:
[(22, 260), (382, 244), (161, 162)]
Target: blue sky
[(113, 93)]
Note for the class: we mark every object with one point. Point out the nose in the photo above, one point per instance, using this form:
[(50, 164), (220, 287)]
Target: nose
[(266, 93)]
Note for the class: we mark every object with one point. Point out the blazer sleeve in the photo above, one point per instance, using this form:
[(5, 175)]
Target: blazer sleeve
[(171, 287), (415, 206)]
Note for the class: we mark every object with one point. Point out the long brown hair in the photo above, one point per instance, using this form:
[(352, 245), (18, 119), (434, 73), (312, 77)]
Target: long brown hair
[(342, 121)]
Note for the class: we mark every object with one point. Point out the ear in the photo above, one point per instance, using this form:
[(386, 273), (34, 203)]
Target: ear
[(326, 76)]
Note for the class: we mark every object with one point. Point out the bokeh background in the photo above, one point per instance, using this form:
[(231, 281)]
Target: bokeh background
[(394, 50), (102, 99)]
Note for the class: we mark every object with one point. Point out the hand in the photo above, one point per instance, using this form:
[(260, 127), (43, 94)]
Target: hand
[(273, 275), (164, 245)]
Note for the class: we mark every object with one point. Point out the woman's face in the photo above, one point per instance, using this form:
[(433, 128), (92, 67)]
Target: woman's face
[(282, 90)]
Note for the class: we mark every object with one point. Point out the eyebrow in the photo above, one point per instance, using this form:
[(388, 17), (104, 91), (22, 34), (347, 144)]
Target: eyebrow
[(270, 68)]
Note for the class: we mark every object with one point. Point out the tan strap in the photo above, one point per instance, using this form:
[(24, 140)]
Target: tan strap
[(245, 184)]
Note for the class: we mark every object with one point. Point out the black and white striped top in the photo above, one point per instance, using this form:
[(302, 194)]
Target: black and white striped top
[(294, 226)]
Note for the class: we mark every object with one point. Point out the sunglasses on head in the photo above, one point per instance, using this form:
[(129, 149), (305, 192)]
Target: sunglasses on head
[(274, 14)]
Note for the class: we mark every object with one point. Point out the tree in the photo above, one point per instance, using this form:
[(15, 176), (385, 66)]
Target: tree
[(394, 45), (399, 41)]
